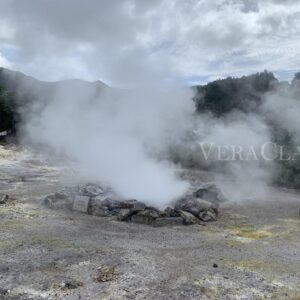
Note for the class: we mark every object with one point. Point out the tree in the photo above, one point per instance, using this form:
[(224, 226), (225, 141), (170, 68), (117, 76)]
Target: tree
[(7, 110), (225, 95)]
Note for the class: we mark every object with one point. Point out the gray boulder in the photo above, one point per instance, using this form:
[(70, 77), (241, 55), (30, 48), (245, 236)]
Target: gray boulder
[(208, 215), (112, 204), (91, 190), (146, 216), (98, 206), (188, 218), (124, 214), (211, 193), (100, 211), (170, 212), (102, 205), (136, 206), (204, 210), (193, 205), (142, 219), (150, 211), (3, 199), (200, 205), (61, 196)]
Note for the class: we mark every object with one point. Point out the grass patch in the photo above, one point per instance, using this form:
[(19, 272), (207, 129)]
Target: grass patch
[(249, 264), (251, 232)]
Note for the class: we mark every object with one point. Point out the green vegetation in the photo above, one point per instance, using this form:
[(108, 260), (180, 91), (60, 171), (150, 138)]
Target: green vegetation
[(224, 95), (8, 110), (247, 94)]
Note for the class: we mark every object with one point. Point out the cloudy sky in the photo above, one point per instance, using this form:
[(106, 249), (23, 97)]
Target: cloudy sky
[(121, 42)]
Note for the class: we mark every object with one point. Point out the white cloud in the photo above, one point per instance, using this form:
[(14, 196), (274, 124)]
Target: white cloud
[(4, 62), (139, 40)]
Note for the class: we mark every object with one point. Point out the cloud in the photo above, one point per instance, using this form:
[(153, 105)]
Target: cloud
[(129, 41), (4, 62)]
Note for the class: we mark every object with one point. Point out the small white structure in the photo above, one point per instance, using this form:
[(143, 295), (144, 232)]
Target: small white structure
[(81, 203)]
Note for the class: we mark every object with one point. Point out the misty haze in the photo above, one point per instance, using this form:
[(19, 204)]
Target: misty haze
[(149, 149)]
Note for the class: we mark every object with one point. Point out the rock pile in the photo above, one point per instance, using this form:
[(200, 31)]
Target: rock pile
[(3, 199), (194, 208)]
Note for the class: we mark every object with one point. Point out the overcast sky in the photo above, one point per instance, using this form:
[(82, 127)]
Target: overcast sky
[(122, 41)]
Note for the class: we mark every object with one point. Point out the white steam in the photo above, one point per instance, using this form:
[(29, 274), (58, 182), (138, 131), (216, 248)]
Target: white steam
[(122, 138), (118, 137), (242, 175), (283, 106), (246, 174)]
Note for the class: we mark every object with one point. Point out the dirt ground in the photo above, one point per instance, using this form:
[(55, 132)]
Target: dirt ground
[(251, 252)]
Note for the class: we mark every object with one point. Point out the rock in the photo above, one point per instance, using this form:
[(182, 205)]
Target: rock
[(150, 211), (3, 199), (172, 221), (146, 216), (4, 292), (208, 215), (61, 196), (98, 199), (211, 193), (106, 273), (143, 218), (124, 214), (71, 284), (91, 190), (93, 200), (164, 214), (100, 212), (167, 212), (105, 206), (201, 209), (171, 212), (215, 266), (193, 205), (188, 218), (49, 200), (58, 201), (81, 203), (98, 207), (114, 204), (136, 206)]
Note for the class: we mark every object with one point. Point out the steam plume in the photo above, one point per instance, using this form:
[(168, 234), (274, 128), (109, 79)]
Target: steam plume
[(118, 137)]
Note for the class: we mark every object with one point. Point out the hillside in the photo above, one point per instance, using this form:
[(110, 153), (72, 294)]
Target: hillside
[(18, 90)]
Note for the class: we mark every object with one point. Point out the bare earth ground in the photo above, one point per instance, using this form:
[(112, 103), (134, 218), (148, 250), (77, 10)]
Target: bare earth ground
[(251, 252)]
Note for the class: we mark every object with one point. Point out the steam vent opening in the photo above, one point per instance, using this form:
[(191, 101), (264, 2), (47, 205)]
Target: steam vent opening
[(195, 207)]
